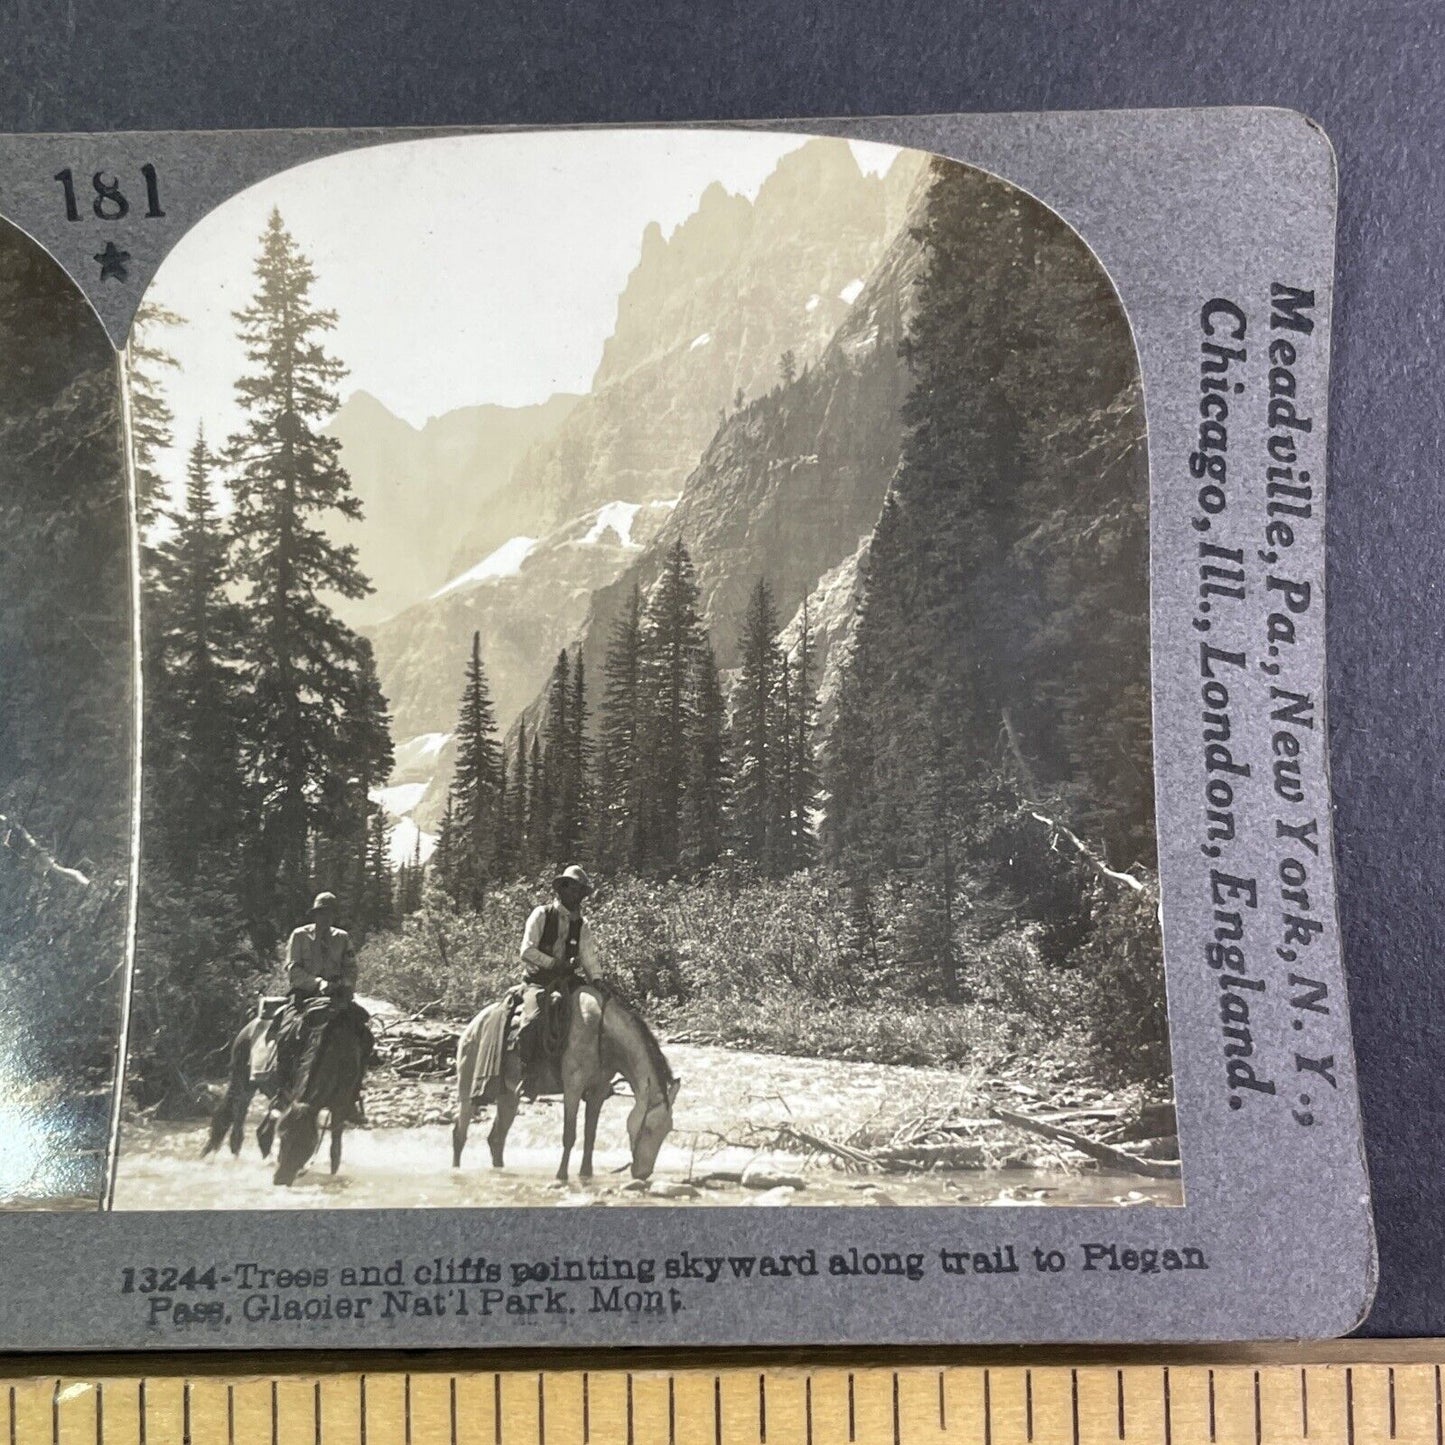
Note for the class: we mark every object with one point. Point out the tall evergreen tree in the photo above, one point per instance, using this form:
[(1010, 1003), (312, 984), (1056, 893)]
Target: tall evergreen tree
[(476, 785), (193, 778), (558, 781), (288, 483), (443, 858), (539, 810), (518, 808), (579, 767), (672, 639), (147, 363), (705, 811), (757, 761), (620, 768), (803, 762)]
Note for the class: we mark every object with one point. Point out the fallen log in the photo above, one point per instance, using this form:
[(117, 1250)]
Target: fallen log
[(1104, 1153)]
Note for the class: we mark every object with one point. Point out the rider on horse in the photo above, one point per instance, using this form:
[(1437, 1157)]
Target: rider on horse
[(321, 973), (557, 953)]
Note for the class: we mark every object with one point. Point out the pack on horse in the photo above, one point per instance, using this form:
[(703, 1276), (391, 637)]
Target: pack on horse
[(572, 1026), (309, 1057)]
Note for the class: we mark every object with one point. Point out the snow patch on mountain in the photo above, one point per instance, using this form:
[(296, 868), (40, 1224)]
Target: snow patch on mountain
[(506, 561), (401, 845), (852, 291), (616, 517), (420, 750), (700, 341), (398, 799), (811, 304)]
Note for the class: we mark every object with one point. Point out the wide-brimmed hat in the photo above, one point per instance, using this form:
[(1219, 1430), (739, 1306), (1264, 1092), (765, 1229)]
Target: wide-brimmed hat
[(573, 874), (323, 900)]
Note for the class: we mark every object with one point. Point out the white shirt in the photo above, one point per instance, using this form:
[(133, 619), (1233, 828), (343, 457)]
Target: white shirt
[(533, 955)]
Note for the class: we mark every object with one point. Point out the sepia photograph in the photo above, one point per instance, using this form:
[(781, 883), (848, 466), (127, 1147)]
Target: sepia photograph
[(646, 691), (66, 735)]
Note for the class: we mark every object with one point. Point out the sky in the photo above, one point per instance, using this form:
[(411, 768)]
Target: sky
[(463, 269)]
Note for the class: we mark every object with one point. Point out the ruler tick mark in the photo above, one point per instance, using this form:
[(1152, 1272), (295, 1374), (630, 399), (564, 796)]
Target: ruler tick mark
[(629, 1408), (497, 1408), (1119, 1387), (987, 1412), (316, 1410), (55, 1412), (100, 1413), (852, 1421), (1439, 1415), (1211, 1404), (808, 1411), (141, 1411), (717, 1410), (763, 1409), (454, 1409), (363, 1410), (671, 1412), (185, 1412), (1349, 1405), (275, 1415), (230, 1415), (586, 1408), (1304, 1402), (1169, 1408), (1391, 1378), (1029, 1403), (1074, 1402), (896, 1439), (541, 1411), (1258, 1413), (406, 1405), (942, 1405)]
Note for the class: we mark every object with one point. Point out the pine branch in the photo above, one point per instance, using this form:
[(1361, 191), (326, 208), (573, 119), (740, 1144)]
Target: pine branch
[(34, 857)]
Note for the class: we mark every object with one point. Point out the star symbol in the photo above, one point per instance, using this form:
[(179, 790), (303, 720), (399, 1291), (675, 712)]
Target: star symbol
[(112, 262)]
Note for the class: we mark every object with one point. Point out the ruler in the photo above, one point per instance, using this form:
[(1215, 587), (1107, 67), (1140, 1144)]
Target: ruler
[(1319, 1403)]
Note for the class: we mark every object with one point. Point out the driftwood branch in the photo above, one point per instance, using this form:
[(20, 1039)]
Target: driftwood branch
[(1030, 787), (1104, 1153), (34, 856), (1088, 854)]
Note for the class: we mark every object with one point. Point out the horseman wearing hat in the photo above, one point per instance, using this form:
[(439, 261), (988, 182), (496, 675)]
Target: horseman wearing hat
[(557, 952), (321, 976)]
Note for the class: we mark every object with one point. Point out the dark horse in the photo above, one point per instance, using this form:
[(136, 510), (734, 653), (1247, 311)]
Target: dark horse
[(334, 1082)]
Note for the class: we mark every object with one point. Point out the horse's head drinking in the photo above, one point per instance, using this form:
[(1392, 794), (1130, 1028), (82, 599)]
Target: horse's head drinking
[(649, 1124)]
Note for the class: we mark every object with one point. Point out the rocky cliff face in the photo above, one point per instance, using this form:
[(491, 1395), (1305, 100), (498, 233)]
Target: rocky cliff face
[(414, 483), (527, 599), (706, 314), (790, 487)]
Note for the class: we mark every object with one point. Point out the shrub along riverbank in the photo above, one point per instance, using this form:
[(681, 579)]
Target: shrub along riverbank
[(780, 966)]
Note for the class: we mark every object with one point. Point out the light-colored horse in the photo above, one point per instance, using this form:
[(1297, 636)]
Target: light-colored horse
[(605, 1038)]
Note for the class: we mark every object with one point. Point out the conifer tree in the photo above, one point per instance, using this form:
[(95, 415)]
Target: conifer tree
[(557, 777), (705, 815), (288, 483), (579, 768), (619, 800), (757, 764), (192, 712), (379, 912), (476, 785), (672, 639), (803, 762), (518, 807), (443, 866), (147, 362), (539, 811)]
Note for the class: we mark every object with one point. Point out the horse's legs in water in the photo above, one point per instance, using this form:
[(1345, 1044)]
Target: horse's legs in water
[(459, 1130), (266, 1129), (571, 1097), (238, 1119), (338, 1123), (509, 1094), (593, 1100), (230, 1113)]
